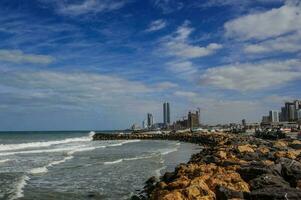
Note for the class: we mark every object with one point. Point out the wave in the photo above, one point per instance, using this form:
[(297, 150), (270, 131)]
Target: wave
[(10, 147), (4, 161), (113, 162), (19, 187), (41, 170), (168, 151), (122, 143), (158, 171)]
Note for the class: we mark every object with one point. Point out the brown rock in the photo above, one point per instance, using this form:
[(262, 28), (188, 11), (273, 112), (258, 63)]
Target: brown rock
[(221, 154), (245, 148), (174, 195), (280, 144), (179, 183), (263, 150)]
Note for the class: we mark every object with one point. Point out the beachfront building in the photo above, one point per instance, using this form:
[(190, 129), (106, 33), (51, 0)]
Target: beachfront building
[(166, 114)]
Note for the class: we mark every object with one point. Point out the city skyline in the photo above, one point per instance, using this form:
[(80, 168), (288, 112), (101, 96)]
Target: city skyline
[(99, 64)]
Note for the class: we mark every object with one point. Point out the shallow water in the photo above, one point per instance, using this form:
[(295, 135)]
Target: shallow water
[(69, 165)]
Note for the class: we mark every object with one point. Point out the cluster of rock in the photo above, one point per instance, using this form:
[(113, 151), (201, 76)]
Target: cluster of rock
[(228, 167), (238, 167)]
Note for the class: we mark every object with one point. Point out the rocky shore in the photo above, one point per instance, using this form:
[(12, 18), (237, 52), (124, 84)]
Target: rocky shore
[(229, 167)]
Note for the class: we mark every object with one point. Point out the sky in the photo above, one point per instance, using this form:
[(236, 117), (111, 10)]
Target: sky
[(104, 64)]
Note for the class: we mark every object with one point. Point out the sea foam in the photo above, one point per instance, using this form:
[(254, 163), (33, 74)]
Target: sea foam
[(10, 147)]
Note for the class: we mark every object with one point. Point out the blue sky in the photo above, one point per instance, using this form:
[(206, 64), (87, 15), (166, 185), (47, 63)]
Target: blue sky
[(103, 64)]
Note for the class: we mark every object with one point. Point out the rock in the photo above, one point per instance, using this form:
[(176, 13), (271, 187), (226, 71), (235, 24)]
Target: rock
[(174, 195), (179, 183), (199, 189), (263, 150), (222, 154), (275, 193), (245, 148), (268, 180), (296, 144), (223, 193), (291, 170), (280, 144)]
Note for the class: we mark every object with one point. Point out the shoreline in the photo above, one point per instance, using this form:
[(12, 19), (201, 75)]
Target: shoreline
[(228, 167)]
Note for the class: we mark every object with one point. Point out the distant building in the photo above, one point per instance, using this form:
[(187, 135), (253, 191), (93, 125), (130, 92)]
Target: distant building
[(135, 127), (299, 114), (144, 124), (265, 119), (243, 122), (193, 120), (150, 120), (274, 116), (166, 114)]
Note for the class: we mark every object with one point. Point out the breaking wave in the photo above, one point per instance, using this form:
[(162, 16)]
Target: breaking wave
[(10, 147)]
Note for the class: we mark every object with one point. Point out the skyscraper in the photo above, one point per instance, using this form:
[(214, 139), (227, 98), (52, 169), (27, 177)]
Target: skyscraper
[(150, 120), (166, 113), (274, 116)]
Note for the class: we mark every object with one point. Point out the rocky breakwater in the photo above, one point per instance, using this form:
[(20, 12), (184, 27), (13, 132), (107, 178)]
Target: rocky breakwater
[(229, 167)]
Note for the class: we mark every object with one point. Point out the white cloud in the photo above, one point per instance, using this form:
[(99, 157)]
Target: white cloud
[(253, 76), (156, 25), (166, 85), (271, 23), (178, 44), (288, 43), (88, 6), (184, 69), (17, 56), (187, 94)]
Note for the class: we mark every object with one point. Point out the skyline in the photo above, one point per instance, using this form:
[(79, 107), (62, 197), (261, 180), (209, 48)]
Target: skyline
[(99, 64)]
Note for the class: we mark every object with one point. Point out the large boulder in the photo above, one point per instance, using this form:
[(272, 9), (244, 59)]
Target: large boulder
[(268, 180), (274, 193), (291, 170)]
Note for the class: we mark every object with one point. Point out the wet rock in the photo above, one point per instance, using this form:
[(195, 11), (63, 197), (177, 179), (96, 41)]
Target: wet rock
[(268, 180)]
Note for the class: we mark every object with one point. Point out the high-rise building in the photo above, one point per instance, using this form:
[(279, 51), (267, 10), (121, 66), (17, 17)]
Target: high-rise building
[(299, 114), (150, 120), (274, 116), (290, 111), (283, 115), (166, 113)]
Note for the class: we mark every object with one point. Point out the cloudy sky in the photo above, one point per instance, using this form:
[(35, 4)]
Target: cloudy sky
[(103, 64)]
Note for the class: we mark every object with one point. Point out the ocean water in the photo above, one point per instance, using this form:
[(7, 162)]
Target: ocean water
[(69, 165)]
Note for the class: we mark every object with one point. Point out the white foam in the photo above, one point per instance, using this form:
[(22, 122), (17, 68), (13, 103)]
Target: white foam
[(158, 171), (4, 161), (19, 187), (123, 142), (41, 170), (168, 151), (113, 162), (139, 157), (10, 147)]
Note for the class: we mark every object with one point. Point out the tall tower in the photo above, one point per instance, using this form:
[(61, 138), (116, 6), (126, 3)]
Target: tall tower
[(150, 120), (166, 113)]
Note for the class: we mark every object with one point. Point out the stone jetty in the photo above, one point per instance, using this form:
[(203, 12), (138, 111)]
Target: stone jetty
[(229, 166)]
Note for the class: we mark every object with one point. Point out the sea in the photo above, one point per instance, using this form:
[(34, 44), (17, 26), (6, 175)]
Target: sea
[(69, 165)]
